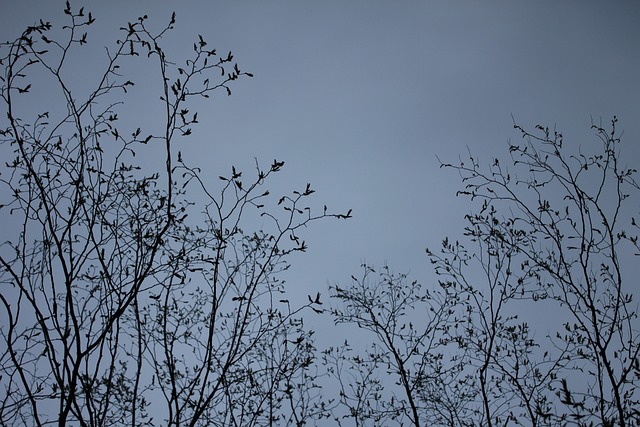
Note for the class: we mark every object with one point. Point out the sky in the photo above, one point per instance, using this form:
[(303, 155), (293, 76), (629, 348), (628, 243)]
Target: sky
[(361, 99)]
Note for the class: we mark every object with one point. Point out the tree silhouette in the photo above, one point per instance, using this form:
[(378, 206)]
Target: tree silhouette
[(134, 292), (411, 348), (550, 241), (554, 233), (138, 292)]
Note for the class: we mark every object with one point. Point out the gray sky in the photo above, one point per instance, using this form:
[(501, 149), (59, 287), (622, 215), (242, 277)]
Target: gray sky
[(359, 97)]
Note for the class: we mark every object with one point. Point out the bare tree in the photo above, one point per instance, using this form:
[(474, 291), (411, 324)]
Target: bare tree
[(514, 378), (553, 234), (136, 293), (410, 328), (550, 241)]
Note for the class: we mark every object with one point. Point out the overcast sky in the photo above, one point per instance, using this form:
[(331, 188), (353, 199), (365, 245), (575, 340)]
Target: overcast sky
[(359, 97)]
